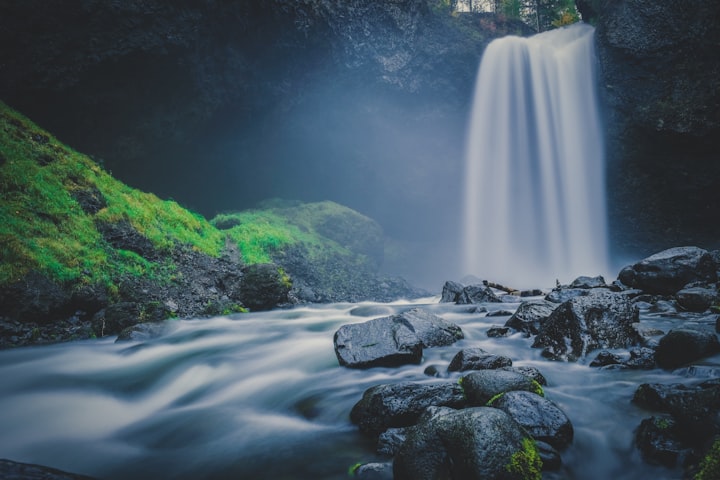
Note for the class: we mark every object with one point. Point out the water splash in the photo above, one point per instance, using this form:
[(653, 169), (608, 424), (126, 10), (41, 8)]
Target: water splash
[(535, 195)]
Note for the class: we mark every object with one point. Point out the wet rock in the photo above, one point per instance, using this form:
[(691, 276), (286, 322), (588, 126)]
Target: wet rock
[(264, 286), (658, 441), (542, 419), (433, 371), (401, 404), (668, 271), (696, 299), (530, 372), (499, 313), (605, 358), (477, 294), (116, 317), (477, 359), (432, 330), (684, 345), (695, 408), (498, 332), (451, 292), (601, 319), (561, 295), (482, 385), (530, 315), (640, 358), (373, 471), (550, 457), (472, 444), (10, 470), (394, 340), (390, 440), (588, 282), (142, 332)]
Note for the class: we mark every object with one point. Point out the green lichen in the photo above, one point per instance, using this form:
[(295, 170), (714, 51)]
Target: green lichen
[(494, 399), (710, 465), (352, 470), (537, 388), (526, 463)]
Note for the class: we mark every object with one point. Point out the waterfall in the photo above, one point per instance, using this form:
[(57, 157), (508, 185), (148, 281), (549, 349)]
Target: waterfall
[(534, 192)]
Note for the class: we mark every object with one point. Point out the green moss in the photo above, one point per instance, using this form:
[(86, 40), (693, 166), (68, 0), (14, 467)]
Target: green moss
[(43, 226), (526, 463), (537, 388), (352, 470), (494, 399), (710, 465)]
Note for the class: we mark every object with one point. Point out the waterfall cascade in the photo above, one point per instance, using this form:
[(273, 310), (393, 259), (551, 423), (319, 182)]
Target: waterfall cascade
[(535, 194)]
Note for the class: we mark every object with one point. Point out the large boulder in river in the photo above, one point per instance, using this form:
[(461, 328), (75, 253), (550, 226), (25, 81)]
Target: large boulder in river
[(451, 292), (400, 404), (696, 299), (530, 315), (394, 340), (540, 417), (481, 386), (471, 444), (668, 271), (477, 294), (601, 319), (683, 345), (477, 359)]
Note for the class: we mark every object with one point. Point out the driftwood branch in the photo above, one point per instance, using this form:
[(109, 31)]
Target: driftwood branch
[(497, 286)]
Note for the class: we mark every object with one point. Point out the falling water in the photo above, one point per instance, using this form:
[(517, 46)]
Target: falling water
[(535, 199)]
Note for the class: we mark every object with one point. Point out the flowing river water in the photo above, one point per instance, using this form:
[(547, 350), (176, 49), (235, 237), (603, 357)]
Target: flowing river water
[(261, 396)]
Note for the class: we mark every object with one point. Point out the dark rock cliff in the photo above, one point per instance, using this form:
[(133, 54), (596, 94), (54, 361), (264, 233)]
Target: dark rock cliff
[(660, 79), (271, 98)]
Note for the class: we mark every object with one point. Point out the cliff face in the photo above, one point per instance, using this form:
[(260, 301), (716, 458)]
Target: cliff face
[(272, 98), (660, 79)]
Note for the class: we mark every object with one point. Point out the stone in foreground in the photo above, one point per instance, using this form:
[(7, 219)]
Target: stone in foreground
[(471, 444), (394, 340), (601, 319)]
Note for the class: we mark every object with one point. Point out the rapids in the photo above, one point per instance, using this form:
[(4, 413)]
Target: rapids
[(261, 396)]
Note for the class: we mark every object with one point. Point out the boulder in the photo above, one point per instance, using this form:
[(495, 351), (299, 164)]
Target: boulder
[(472, 444), (401, 404), (540, 417), (477, 359), (561, 295), (601, 319), (142, 331), (477, 294), (658, 441), (530, 315), (264, 286), (588, 282), (497, 332), (481, 386), (394, 340), (668, 271), (696, 299), (451, 292), (530, 372), (640, 358), (432, 330), (683, 345), (695, 408)]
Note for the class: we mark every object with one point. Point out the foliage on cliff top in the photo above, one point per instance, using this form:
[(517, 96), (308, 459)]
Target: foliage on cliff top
[(45, 225), (323, 229)]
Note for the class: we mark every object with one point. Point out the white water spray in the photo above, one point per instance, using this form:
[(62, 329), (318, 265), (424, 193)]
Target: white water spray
[(535, 195)]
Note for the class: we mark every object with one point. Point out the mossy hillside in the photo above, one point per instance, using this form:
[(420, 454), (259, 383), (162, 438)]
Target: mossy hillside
[(44, 228), (322, 229)]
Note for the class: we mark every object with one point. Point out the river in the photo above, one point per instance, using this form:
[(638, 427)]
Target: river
[(261, 396)]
